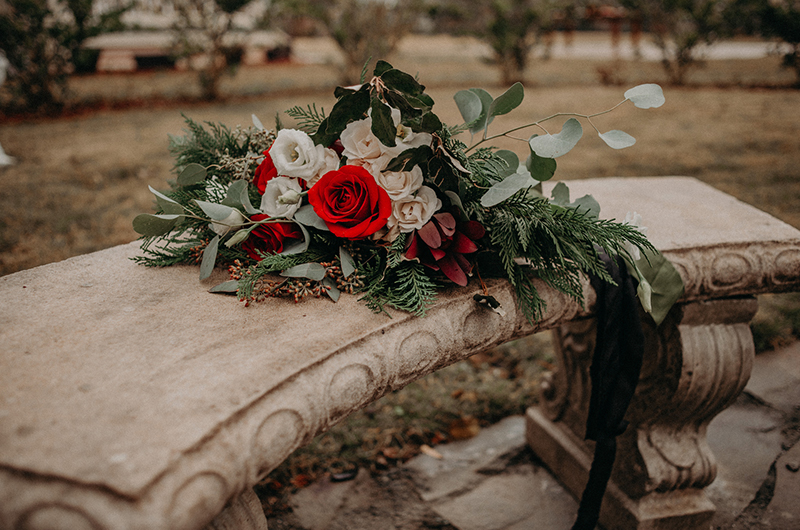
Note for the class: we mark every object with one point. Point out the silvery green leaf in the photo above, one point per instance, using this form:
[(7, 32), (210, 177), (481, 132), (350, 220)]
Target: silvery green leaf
[(228, 287), (508, 100), (192, 174), (511, 159), (151, 225), (560, 194), (484, 119), (618, 139), (469, 105), (666, 284), (233, 196), (348, 265), (646, 96), (257, 122), (312, 271), (506, 188), (298, 247), (555, 145), (305, 215), (455, 200), (238, 237), (217, 212), (332, 290), (541, 169), (586, 204), (209, 258), (167, 205)]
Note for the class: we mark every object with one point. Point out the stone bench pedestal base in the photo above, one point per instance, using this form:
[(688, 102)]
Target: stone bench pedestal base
[(695, 365)]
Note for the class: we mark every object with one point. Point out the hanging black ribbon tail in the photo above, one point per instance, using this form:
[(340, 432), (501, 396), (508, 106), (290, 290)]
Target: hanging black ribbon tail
[(616, 364)]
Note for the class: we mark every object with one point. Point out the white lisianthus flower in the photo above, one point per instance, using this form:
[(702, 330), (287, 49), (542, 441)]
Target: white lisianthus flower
[(223, 227), (330, 163), (359, 142), (412, 212), (295, 155), (281, 197), (400, 184), (635, 220)]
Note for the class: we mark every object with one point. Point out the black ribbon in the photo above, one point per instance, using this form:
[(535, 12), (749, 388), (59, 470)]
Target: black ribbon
[(616, 364)]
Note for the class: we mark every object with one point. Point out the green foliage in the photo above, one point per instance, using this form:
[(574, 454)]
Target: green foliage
[(309, 119), (406, 286)]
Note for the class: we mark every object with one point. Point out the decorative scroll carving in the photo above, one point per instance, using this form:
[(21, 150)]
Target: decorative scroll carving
[(243, 513)]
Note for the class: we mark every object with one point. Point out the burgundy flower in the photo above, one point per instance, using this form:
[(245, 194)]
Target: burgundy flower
[(441, 244)]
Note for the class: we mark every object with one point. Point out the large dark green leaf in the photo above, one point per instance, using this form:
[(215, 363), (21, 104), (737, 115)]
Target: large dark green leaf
[(409, 158), (349, 108), (541, 169), (401, 81), (507, 101), (382, 125), (665, 282)]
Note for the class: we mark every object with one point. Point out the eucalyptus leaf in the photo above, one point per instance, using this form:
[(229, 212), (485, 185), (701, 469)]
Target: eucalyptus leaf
[(618, 139), (511, 159), (484, 119), (646, 96), (469, 105), (506, 188), (233, 197), (167, 205), (586, 204), (299, 247), (151, 225), (312, 271), (227, 287), (665, 283), (508, 100), (455, 200), (555, 145), (209, 258), (541, 169), (305, 215), (348, 265), (331, 289), (560, 195), (382, 124), (192, 174), (257, 123), (217, 212)]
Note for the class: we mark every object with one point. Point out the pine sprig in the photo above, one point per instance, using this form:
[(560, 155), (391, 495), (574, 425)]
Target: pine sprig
[(406, 287), (308, 119)]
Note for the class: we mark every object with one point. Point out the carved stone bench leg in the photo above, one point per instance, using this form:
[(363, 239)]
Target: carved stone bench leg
[(243, 513), (695, 365)]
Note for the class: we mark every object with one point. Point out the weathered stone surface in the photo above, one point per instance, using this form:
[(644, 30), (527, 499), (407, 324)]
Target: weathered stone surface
[(132, 398)]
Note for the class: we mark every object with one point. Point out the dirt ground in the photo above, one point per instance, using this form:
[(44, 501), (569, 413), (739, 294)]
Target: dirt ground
[(80, 180)]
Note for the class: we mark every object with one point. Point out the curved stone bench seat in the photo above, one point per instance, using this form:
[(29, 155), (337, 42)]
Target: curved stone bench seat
[(131, 398)]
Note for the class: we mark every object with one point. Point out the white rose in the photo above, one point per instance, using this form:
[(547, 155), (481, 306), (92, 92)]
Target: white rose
[(281, 197), (359, 142), (223, 227), (413, 212), (400, 184), (635, 220), (330, 163), (373, 165), (295, 155)]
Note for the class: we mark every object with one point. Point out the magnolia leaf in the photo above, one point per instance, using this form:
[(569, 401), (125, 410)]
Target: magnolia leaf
[(405, 161), (381, 67), (257, 122), (541, 169), (382, 125), (298, 247), (238, 237), (192, 174), (560, 194), (350, 107), (402, 82), (618, 139), (151, 225), (586, 204), (217, 212), (228, 287), (348, 264), (665, 283), (312, 271), (508, 100), (209, 258), (555, 145), (484, 119), (469, 105), (646, 96), (167, 205), (305, 215), (429, 123), (331, 289), (506, 188), (511, 160)]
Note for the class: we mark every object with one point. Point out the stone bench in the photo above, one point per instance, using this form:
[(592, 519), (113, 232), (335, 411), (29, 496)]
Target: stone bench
[(130, 398)]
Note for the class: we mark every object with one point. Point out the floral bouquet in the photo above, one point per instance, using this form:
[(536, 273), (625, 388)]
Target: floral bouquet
[(380, 198)]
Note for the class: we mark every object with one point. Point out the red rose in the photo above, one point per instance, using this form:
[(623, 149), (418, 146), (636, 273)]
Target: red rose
[(269, 238), (264, 173), (350, 202)]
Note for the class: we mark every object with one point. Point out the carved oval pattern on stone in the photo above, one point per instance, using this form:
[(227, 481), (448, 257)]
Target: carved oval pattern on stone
[(787, 266), (480, 327), (729, 270), (275, 438), (416, 354), (198, 500), (350, 387), (56, 517)]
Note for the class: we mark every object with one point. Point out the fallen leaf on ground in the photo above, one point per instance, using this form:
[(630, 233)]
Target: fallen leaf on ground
[(430, 451)]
